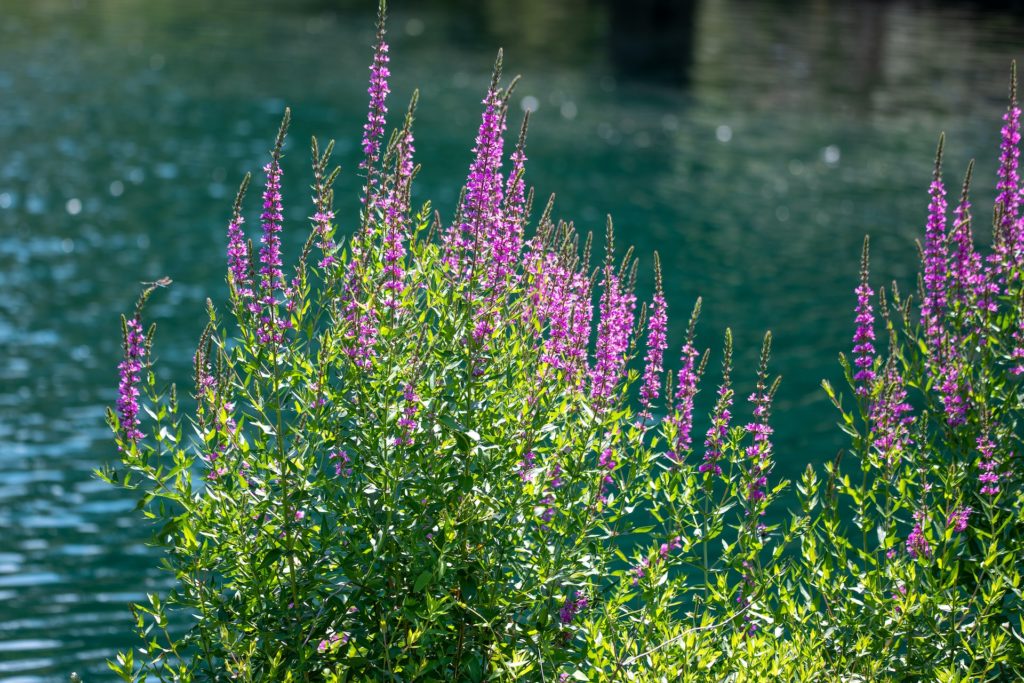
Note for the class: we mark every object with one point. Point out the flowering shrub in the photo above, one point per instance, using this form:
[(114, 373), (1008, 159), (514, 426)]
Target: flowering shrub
[(415, 455)]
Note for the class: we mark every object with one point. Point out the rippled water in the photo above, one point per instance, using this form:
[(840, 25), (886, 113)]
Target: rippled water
[(753, 144)]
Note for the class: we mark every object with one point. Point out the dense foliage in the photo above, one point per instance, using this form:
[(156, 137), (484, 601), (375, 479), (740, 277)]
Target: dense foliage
[(423, 454)]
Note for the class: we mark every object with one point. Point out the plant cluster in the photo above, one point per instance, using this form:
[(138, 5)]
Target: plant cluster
[(423, 454)]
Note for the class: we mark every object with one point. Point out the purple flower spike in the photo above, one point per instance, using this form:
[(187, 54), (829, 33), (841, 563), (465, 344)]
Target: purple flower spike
[(480, 208), (890, 417), (323, 198), (560, 299), (373, 129), (1008, 187), (322, 225), (760, 451), (714, 441), (864, 336), (342, 463), (953, 387), (657, 342), (395, 208), (944, 363), (572, 607), (970, 284), (617, 307), (271, 327), (674, 544), (917, 544), (130, 370), (410, 408), (935, 254), (1017, 352), (959, 518), (271, 220), (989, 464), (480, 223), (579, 320), (506, 251), (239, 266), (686, 391), (640, 570), (526, 465)]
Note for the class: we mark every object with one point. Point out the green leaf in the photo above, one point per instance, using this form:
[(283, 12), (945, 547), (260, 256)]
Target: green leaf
[(422, 580)]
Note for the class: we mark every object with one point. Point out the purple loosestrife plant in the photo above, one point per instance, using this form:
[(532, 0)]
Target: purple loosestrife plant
[(323, 203), (507, 250), (131, 373), (572, 607), (759, 452), (891, 417), (959, 518), (718, 433), (392, 473), (935, 261), (971, 287), (944, 360), (1008, 186), (271, 277), (988, 463), (376, 118), (918, 546), (239, 263), (479, 220), (614, 330), (657, 342), (686, 391), (929, 540), (559, 299), (864, 335), (395, 212), (135, 346)]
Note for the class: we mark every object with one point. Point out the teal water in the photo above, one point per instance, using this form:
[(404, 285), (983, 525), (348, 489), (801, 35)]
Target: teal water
[(752, 144)]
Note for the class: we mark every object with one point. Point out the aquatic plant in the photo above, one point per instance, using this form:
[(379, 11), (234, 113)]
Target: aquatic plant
[(405, 460)]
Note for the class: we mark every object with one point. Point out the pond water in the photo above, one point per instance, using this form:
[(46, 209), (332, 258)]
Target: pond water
[(752, 143)]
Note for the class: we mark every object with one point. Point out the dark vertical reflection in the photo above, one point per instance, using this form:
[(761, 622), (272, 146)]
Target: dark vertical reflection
[(652, 40), (869, 59), (1001, 6)]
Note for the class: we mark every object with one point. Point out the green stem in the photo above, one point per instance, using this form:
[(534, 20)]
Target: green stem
[(288, 514)]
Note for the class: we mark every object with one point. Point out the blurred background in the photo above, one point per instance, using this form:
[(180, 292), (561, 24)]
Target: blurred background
[(752, 143)]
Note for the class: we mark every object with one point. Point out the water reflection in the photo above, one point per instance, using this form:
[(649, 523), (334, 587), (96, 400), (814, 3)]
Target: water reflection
[(653, 40), (752, 143)]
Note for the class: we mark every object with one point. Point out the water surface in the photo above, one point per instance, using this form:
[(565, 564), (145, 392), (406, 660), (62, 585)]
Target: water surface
[(752, 144)]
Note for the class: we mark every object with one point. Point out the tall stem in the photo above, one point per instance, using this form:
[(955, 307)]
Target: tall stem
[(288, 513)]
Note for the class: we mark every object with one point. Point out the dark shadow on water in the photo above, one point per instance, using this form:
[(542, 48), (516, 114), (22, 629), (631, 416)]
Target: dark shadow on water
[(652, 40)]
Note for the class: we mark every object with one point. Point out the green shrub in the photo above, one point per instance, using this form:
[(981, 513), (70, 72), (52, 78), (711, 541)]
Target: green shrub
[(421, 455)]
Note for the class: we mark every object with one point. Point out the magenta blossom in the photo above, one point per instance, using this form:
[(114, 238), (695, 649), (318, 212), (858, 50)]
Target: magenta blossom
[(989, 464), (657, 342), (864, 336), (373, 129), (958, 518), (572, 607), (1008, 187), (130, 370), (617, 307), (917, 544), (239, 265), (718, 431)]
